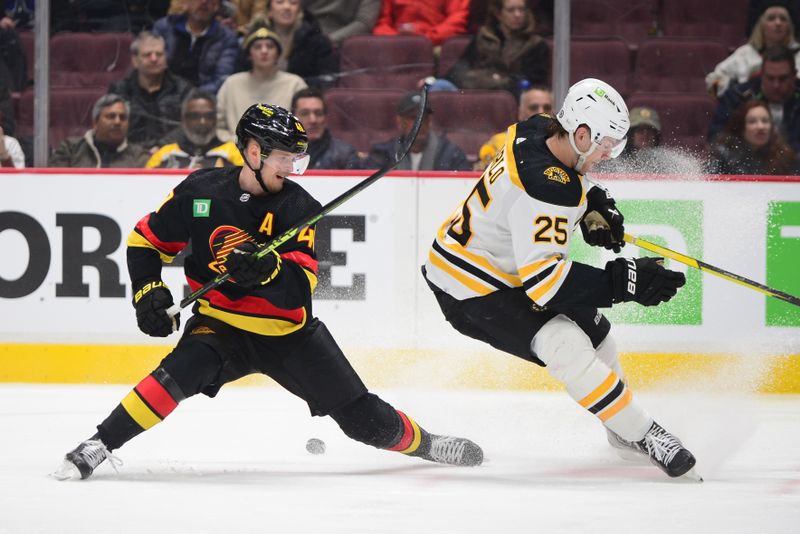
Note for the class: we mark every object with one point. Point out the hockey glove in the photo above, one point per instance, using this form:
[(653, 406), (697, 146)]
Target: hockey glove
[(644, 280), (151, 301), (248, 270), (602, 224)]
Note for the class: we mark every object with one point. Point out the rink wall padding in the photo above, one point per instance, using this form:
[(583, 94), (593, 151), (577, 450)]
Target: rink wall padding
[(65, 299)]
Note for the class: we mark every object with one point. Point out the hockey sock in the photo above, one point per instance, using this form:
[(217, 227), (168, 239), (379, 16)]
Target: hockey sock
[(411, 439), (153, 399)]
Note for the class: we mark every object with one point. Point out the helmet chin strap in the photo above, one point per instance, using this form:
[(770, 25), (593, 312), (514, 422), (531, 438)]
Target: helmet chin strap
[(257, 172), (581, 155)]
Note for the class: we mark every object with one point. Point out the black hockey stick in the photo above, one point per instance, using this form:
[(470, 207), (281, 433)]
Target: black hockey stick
[(173, 310), (710, 269)]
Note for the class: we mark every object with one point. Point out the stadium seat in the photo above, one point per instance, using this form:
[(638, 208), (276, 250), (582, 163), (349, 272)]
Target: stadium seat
[(633, 21), (470, 118), (451, 51), (607, 59), (718, 20), (362, 117), (684, 117), (380, 62), (70, 112), (89, 59), (676, 65)]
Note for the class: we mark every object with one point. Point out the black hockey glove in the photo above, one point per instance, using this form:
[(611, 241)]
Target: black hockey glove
[(248, 270), (151, 301), (644, 280), (602, 224)]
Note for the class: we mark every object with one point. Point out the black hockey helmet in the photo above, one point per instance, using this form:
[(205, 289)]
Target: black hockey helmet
[(272, 127)]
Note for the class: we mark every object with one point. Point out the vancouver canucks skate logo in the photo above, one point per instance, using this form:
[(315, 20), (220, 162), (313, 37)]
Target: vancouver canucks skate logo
[(221, 242), (557, 174)]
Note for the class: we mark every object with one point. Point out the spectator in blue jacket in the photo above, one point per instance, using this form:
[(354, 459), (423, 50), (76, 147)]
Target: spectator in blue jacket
[(199, 48), (430, 151), (326, 151), (777, 85)]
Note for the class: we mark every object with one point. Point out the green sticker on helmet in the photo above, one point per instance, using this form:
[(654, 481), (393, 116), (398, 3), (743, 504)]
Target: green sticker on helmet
[(599, 91)]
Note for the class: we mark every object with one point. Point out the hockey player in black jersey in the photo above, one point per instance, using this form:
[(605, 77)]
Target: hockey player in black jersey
[(500, 271), (258, 322)]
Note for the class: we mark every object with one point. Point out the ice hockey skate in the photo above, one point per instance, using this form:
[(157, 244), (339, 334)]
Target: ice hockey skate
[(82, 461), (450, 450), (627, 450), (668, 453)]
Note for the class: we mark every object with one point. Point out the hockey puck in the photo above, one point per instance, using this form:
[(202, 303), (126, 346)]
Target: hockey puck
[(315, 446)]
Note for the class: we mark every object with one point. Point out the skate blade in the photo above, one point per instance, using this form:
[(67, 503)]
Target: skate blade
[(691, 476), (67, 471)]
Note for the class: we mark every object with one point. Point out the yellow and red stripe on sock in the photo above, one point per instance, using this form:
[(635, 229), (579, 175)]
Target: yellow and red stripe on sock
[(411, 437), (149, 402), (607, 399)]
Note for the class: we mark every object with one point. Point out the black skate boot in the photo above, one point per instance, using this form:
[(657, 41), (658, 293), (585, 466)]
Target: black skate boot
[(449, 450), (83, 460), (668, 453)]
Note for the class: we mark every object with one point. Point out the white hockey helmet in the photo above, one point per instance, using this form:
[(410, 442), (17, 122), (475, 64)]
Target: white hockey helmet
[(600, 107)]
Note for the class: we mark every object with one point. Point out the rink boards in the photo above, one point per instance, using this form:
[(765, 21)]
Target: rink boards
[(67, 317)]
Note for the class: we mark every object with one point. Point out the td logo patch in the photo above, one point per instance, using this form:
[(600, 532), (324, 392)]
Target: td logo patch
[(201, 207), (557, 174)]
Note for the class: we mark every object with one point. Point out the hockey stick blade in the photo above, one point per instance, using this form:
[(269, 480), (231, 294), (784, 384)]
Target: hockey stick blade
[(716, 271), (173, 310)]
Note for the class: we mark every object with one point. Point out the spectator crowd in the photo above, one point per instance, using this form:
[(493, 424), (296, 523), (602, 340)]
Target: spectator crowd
[(196, 65)]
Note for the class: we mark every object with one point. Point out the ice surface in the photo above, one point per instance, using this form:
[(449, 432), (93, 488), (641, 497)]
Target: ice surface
[(238, 464)]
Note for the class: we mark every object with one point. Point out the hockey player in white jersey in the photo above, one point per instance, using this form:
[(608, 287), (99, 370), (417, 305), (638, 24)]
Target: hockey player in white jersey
[(501, 274)]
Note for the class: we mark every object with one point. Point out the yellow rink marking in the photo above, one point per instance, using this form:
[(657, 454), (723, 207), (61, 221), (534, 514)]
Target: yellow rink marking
[(387, 368)]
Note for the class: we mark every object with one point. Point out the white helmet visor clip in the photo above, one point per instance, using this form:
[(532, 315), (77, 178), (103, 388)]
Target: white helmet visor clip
[(286, 162)]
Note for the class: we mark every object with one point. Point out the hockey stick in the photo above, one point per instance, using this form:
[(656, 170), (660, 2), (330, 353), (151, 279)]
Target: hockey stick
[(173, 310), (706, 268)]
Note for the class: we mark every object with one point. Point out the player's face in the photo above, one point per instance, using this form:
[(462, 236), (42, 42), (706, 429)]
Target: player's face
[(775, 24), (777, 81), (512, 15), (757, 127), (606, 149), (311, 112), (111, 127), (264, 54), (284, 12), (533, 102), (151, 59)]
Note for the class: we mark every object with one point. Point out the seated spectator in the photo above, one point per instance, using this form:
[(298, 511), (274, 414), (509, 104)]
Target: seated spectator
[(438, 20), (264, 82), (234, 14), (774, 28), (153, 92), (326, 151), (756, 8), (18, 14), (307, 52), (199, 48), (11, 154), (340, 19), (777, 85), (644, 152), (430, 152), (532, 101), (195, 144), (505, 53), (750, 144), (106, 144)]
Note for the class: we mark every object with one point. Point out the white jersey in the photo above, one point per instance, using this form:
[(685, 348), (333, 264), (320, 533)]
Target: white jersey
[(514, 228)]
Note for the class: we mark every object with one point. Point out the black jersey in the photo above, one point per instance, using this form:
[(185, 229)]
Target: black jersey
[(211, 211)]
